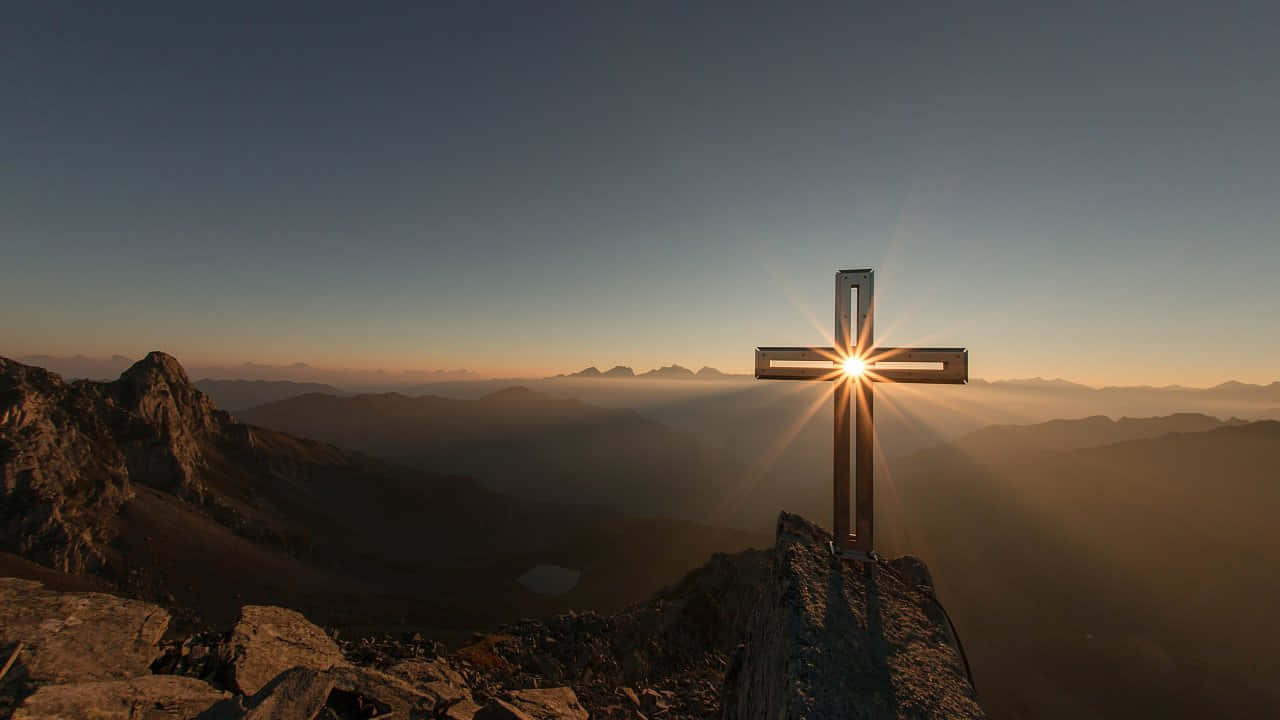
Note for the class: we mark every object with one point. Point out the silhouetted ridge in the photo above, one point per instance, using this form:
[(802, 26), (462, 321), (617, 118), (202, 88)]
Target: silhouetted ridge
[(668, 372)]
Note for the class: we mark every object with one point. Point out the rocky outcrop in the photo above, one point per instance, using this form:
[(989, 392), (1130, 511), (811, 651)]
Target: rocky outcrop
[(63, 482), (792, 633), (840, 639)]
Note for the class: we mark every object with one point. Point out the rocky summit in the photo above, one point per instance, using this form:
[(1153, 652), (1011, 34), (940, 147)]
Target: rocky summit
[(789, 633)]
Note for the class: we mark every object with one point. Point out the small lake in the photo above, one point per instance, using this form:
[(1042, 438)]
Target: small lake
[(550, 579)]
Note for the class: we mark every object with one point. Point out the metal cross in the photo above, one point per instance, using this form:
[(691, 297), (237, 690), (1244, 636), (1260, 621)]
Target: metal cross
[(855, 365)]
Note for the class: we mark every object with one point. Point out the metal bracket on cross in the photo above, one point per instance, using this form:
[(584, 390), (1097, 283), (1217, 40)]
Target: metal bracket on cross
[(856, 364)]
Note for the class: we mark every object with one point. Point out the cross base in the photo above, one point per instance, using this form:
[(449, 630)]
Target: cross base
[(850, 551)]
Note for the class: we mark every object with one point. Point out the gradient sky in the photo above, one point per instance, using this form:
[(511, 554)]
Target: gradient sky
[(1087, 192)]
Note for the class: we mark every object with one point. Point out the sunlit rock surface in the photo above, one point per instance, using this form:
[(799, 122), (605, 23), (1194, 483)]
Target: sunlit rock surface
[(841, 639)]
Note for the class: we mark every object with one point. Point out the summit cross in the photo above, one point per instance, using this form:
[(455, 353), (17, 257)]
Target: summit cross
[(856, 364)]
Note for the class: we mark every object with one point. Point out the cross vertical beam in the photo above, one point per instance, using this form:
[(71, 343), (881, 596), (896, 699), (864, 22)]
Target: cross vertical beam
[(853, 397)]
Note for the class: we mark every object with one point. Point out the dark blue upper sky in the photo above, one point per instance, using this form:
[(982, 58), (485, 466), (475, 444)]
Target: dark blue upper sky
[(1088, 191)]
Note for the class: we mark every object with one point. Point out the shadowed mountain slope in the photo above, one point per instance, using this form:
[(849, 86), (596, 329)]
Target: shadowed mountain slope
[(520, 442), (1125, 579), (233, 395)]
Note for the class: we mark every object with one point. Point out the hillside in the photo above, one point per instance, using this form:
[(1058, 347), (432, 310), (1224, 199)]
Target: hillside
[(520, 442), (1121, 579), (144, 483), (233, 395)]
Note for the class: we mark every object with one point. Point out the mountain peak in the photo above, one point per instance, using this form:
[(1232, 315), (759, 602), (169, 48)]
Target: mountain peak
[(157, 366), (157, 391)]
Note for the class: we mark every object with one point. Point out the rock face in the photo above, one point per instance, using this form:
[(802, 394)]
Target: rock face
[(71, 452), (76, 637), (836, 639)]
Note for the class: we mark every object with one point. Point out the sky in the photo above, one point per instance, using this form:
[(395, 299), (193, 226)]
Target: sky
[(1087, 191)]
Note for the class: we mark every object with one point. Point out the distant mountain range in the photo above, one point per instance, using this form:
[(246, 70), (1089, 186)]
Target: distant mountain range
[(668, 372), (236, 395)]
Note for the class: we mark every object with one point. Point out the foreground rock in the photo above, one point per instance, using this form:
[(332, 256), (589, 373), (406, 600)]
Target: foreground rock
[(75, 637), (836, 639), (269, 640)]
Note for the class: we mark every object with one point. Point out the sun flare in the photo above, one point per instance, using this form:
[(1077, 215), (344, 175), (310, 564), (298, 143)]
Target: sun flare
[(853, 367)]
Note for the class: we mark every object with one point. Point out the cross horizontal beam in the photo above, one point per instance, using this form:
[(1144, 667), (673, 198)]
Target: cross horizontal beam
[(947, 366)]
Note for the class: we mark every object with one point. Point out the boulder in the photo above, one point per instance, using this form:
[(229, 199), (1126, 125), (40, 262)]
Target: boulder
[(269, 640), (150, 697), (559, 703), (835, 638), (78, 637)]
